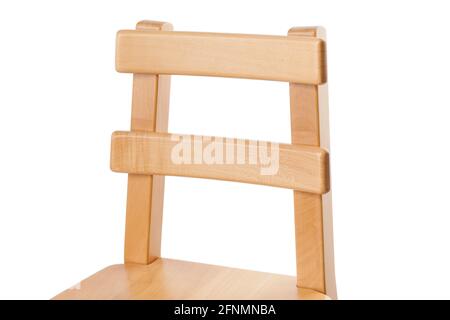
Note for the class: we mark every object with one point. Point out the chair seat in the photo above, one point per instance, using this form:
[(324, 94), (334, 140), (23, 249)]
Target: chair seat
[(173, 279)]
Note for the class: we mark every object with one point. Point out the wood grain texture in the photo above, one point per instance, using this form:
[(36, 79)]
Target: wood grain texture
[(297, 167), (150, 110), (280, 58), (151, 53), (313, 218), (172, 279)]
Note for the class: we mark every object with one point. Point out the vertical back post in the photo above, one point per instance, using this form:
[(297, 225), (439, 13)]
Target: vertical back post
[(150, 109), (313, 217)]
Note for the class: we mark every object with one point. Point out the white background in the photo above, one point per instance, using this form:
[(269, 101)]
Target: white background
[(62, 211)]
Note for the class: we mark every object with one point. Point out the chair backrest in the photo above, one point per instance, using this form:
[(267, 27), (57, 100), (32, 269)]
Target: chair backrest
[(152, 53)]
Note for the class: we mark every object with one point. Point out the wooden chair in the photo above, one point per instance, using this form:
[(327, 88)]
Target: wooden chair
[(152, 53)]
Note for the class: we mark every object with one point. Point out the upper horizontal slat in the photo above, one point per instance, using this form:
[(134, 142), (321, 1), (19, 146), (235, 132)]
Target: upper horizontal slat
[(281, 58), (298, 167)]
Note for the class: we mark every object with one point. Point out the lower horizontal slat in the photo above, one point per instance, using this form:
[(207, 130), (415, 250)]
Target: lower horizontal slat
[(280, 165)]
